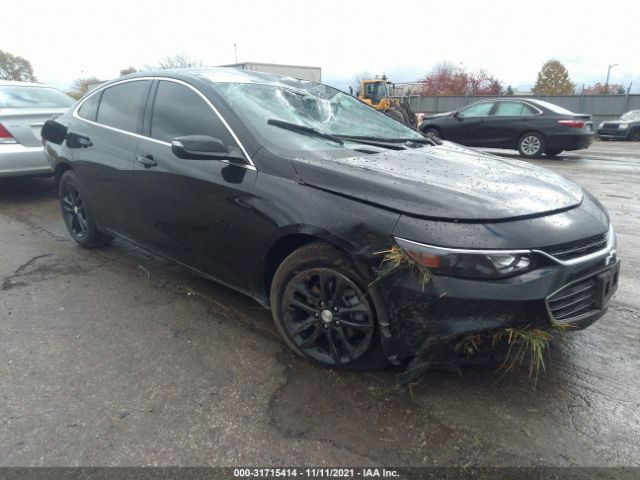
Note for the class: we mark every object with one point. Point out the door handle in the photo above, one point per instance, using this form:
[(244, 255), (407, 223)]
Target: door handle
[(146, 160)]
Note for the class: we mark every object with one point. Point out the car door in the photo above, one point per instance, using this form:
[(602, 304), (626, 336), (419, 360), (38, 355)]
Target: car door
[(110, 121), (470, 128), (507, 122), (193, 211)]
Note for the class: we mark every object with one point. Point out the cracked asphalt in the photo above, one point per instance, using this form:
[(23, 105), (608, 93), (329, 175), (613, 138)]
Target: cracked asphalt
[(117, 357)]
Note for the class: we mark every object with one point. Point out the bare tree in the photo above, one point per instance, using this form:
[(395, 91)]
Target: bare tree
[(81, 86), (15, 68), (128, 70), (179, 60)]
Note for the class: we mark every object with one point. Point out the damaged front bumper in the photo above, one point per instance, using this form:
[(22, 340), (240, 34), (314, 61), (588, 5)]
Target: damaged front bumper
[(422, 318)]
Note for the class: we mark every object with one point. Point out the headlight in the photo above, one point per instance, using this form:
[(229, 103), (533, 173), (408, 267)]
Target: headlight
[(622, 126), (489, 264)]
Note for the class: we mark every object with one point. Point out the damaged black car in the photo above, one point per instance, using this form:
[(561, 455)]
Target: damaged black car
[(369, 242)]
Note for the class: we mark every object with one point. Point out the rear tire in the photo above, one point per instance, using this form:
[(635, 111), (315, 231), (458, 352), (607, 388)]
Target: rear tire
[(531, 145), (77, 213), (320, 306)]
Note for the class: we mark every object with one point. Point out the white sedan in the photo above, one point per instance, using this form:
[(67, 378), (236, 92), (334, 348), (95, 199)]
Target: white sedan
[(24, 107)]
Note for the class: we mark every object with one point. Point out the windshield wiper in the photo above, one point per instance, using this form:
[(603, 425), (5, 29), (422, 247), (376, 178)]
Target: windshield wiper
[(303, 129), (425, 140)]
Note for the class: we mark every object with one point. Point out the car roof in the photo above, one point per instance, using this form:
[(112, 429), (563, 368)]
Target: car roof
[(230, 74), (14, 83)]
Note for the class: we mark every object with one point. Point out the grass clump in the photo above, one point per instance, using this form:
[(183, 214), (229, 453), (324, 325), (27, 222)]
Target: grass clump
[(395, 259), (521, 342)]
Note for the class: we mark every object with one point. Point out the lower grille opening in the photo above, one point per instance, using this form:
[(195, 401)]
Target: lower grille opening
[(574, 300)]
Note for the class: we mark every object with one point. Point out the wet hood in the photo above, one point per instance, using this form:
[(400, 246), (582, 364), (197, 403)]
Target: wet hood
[(444, 182)]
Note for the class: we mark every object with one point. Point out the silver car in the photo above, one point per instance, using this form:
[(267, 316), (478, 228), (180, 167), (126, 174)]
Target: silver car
[(24, 107)]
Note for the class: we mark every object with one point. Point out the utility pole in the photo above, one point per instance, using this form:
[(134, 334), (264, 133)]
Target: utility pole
[(606, 85), (235, 52)]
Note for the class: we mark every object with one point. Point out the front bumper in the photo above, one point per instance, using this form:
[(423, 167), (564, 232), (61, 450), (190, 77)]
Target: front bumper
[(613, 133), (16, 159), (448, 308)]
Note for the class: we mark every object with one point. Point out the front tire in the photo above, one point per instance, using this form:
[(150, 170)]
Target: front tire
[(635, 136), (77, 214), (531, 145), (320, 306)]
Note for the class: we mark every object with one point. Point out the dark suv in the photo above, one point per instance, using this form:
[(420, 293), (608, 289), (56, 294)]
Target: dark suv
[(626, 128)]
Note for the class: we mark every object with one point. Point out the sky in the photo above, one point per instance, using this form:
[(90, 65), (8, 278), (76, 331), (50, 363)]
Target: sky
[(69, 39)]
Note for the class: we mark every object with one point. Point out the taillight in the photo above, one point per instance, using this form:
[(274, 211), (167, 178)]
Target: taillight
[(572, 123), (5, 136)]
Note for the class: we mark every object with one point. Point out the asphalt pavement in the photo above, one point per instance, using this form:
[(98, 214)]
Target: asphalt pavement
[(116, 357)]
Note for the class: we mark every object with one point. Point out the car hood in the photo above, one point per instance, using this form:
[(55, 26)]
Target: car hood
[(444, 182)]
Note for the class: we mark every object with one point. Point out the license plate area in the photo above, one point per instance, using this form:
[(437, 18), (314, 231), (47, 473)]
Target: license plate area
[(607, 284)]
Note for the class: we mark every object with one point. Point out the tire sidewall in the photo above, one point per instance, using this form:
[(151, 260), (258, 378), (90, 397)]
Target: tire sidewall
[(70, 178)]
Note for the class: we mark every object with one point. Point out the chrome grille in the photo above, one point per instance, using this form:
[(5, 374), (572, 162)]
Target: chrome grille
[(579, 248), (574, 300)]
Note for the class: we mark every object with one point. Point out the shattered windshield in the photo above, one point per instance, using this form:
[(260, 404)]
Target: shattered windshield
[(319, 107), (632, 116)]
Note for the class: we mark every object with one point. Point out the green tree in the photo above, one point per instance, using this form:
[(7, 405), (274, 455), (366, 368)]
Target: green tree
[(128, 70), (553, 79), (15, 68), (81, 86)]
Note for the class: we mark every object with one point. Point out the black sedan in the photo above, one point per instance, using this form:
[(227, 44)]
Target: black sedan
[(288, 191), (533, 127), (626, 128)]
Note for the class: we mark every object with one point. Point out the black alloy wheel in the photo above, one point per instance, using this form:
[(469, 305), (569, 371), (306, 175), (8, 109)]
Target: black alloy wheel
[(323, 310), (76, 213), (327, 316)]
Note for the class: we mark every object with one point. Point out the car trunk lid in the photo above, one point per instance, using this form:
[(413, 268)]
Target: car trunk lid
[(24, 124)]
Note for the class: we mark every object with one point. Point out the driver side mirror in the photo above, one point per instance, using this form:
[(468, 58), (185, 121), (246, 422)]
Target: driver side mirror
[(53, 132), (203, 147)]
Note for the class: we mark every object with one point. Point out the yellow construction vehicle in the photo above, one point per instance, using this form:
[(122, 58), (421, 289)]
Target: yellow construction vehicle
[(376, 93)]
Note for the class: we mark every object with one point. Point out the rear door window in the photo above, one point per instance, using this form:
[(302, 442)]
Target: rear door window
[(179, 111), (512, 109), (121, 105)]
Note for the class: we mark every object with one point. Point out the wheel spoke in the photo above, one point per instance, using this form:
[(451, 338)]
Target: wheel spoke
[(355, 325), (303, 289), (302, 326), (312, 337), (324, 286), (359, 308), (351, 351), (333, 349), (82, 223), (338, 288), (303, 306)]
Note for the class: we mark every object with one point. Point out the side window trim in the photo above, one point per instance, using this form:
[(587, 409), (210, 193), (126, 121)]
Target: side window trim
[(250, 165)]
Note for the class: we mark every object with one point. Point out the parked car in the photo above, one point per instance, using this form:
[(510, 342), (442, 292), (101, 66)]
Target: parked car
[(288, 190), (627, 128), (24, 107), (533, 127)]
